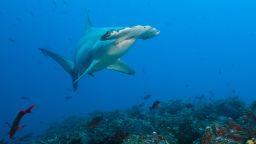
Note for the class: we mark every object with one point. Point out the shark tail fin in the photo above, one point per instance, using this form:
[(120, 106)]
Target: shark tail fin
[(66, 64)]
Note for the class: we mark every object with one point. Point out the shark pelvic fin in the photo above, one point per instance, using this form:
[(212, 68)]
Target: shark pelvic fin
[(121, 67), (86, 71)]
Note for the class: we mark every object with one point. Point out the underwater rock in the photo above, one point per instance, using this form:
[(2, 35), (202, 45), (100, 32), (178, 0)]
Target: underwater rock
[(226, 121), (153, 138), (231, 107)]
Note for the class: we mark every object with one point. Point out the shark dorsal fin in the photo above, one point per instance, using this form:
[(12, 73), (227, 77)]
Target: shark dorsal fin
[(88, 23)]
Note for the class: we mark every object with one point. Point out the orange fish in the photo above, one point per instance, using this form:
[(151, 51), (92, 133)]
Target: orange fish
[(15, 125)]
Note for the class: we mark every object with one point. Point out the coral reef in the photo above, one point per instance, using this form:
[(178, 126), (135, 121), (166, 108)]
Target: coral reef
[(226, 121)]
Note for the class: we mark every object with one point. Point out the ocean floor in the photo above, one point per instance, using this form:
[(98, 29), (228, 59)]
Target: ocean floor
[(198, 121)]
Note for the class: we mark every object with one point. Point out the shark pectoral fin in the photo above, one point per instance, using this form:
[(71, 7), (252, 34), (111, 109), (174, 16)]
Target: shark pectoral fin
[(86, 71), (121, 67), (66, 64)]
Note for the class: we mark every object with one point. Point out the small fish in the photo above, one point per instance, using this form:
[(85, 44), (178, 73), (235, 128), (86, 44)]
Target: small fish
[(12, 40), (149, 4), (70, 40), (19, 19), (32, 14), (233, 91), (95, 122), (16, 123), (141, 105), (233, 66), (25, 98), (64, 2), (220, 71), (211, 93), (155, 105), (68, 97), (54, 4), (189, 106), (146, 97), (200, 98)]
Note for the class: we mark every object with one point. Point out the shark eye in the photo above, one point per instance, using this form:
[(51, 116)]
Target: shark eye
[(106, 35)]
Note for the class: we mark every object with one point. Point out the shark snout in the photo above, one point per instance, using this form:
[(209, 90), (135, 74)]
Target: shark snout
[(157, 32)]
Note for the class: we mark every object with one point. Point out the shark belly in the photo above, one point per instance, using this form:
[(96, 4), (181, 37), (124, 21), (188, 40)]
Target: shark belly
[(112, 54), (121, 47)]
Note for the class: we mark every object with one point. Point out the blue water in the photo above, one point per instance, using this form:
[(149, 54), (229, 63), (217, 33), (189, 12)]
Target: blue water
[(204, 45)]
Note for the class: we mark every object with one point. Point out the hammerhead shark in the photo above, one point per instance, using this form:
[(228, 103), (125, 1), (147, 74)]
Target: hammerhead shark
[(101, 48)]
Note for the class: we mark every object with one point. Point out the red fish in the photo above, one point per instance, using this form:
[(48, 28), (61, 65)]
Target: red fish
[(15, 125), (95, 122)]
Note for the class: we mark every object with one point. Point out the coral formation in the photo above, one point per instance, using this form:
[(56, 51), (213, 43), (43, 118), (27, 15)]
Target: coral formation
[(226, 121)]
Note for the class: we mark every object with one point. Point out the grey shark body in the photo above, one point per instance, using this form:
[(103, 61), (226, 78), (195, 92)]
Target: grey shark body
[(101, 48)]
